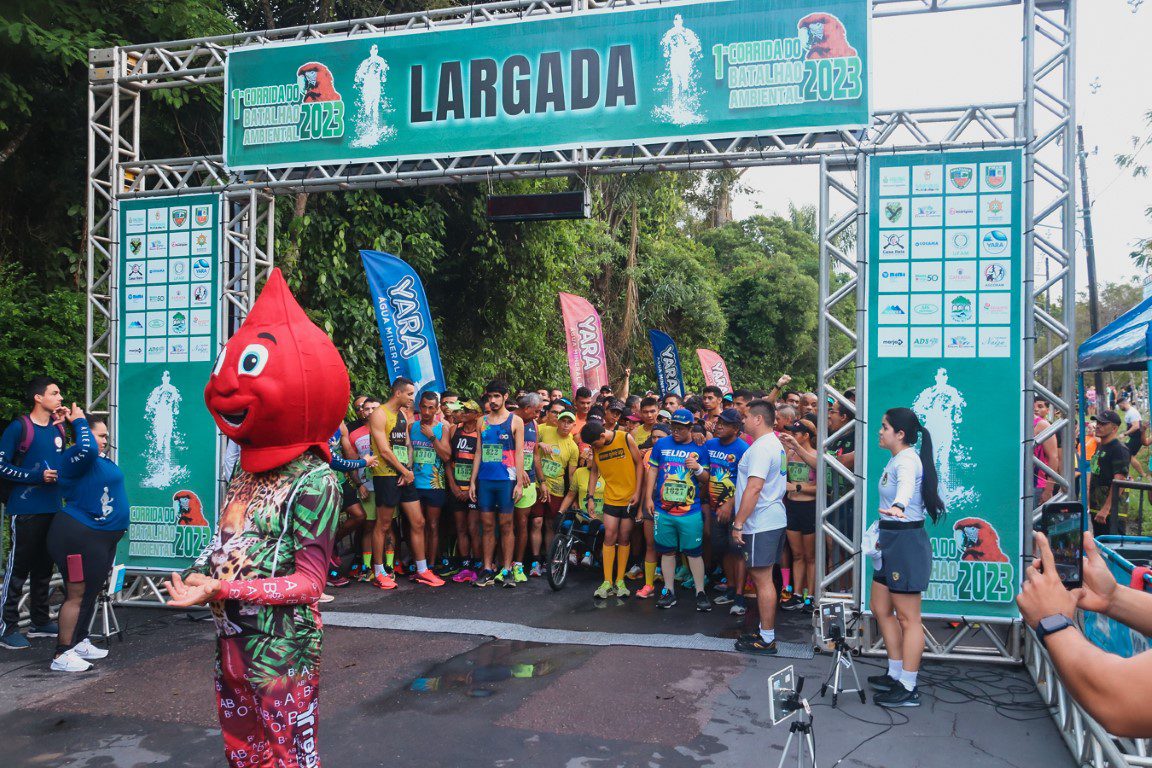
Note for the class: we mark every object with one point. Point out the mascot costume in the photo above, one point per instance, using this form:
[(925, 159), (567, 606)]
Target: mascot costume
[(278, 390)]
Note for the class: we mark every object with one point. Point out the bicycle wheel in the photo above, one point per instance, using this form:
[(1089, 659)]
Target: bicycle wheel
[(558, 562)]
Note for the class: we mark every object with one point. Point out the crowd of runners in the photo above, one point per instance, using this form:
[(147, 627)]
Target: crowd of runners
[(441, 488)]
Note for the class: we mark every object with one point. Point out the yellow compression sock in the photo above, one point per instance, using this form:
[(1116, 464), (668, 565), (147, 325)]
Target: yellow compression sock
[(389, 558), (608, 553), (650, 573), (622, 552), (367, 556)]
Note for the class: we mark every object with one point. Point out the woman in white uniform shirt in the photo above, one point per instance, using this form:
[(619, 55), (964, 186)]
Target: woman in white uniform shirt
[(909, 492)]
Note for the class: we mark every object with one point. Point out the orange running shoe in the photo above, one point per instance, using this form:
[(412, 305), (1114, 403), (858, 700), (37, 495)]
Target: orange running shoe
[(429, 578), (384, 581), (645, 591)]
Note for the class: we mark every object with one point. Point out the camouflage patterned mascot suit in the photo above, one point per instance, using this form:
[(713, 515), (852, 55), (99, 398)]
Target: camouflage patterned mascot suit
[(279, 389)]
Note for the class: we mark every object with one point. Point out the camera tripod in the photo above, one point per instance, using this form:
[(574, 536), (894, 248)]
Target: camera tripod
[(806, 741), (107, 616), (841, 660)]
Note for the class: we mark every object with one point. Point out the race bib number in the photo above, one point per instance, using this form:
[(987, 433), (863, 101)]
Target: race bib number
[(462, 473), (675, 492), (425, 456), (401, 452), (552, 468), (492, 453)]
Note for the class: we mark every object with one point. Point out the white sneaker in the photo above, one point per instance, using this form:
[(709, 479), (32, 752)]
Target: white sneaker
[(325, 598), (70, 661), (587, 560), (85, 650)]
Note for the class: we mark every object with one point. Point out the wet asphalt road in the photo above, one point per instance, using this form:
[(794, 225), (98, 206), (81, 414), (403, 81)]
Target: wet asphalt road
[(460, 698)]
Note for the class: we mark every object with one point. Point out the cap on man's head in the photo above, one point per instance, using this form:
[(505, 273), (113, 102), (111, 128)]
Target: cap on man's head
[(663, 414), (730, 416), (616, 405), (567, 415), (454, 406), (683, 416), (632, 418), (470, 405), (1108, 417)]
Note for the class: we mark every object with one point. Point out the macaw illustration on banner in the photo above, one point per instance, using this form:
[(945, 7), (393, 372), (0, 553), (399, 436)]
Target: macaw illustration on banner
[(669, 375), (587, 363), (715, 370), (405, 321)]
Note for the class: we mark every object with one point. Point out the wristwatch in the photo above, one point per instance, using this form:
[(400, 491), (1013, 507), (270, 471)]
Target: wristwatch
[(1050, 625), (798, 487)]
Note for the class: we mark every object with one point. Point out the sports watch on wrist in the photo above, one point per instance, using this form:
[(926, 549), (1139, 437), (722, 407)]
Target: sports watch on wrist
[(1050, 625)]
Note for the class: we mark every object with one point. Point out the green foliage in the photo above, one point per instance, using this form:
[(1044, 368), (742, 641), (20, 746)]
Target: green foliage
[(41, 332)]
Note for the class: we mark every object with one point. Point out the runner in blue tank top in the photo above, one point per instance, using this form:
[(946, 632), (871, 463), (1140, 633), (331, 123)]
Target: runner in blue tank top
[(528, 410), (499, 481)]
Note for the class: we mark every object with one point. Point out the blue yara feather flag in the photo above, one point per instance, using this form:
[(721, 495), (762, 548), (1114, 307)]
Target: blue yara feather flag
[(405, 321), (668, 372)]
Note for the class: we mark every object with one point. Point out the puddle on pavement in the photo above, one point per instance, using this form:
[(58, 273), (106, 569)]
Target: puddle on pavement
[(481, 672)]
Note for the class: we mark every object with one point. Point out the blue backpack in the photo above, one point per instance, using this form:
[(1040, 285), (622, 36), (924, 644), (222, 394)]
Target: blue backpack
[(28, 433)]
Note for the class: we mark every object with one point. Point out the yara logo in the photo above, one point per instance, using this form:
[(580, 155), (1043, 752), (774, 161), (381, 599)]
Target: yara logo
[(719, 376), (407, 317), (589, 342), (668, 368)]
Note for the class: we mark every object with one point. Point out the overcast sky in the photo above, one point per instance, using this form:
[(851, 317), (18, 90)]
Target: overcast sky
[(966, 57)]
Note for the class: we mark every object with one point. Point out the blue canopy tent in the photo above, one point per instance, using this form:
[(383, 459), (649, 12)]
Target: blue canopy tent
[(1125, 344)]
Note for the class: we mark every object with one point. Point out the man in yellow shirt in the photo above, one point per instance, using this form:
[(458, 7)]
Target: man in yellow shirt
[(559, 456), (616, 459)]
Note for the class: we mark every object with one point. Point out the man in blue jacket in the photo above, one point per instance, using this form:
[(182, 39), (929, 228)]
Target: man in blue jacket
[(30, 452)]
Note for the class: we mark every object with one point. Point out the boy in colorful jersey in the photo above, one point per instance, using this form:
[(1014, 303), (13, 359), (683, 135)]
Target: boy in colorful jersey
[(724, 454), (498, 482), (465, 442), (616, 459), (679, 481), (429, 441), (278, 390)]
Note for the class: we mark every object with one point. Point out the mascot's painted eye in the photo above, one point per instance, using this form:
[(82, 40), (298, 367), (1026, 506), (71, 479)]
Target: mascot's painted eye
[(220, 362), (253, 359)]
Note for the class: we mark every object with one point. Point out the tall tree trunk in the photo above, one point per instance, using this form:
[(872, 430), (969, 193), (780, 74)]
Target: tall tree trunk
[(291, 252), (631, 295)]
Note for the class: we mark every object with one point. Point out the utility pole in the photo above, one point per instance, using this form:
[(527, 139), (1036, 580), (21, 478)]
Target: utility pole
[(1090, 255)]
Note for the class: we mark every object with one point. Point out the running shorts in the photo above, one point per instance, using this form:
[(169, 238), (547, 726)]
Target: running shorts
[(494, 496), (389, 492), (623, 512), (527, 499), (801, 515), (762, 550), (678, 532), (432, 497)]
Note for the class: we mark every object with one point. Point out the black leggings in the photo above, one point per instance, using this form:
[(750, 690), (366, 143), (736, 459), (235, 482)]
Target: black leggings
[(97, 550)]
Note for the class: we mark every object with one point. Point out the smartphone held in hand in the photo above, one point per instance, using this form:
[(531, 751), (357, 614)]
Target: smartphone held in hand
[(1063, 523)]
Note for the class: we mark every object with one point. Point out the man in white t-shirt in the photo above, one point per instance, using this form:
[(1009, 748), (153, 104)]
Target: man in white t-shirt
[(761, 482), (1133, 433)]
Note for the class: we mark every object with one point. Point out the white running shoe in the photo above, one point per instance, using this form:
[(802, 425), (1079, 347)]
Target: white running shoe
[(587, 559), (70, 661), (325, 598), (85, 650)]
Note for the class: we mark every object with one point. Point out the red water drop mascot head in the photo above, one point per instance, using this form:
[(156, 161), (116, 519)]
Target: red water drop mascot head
[(279, 386)]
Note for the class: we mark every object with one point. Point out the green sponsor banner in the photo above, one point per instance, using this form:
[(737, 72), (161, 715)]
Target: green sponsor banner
[(168, 287), (945, 329), (711, 68)]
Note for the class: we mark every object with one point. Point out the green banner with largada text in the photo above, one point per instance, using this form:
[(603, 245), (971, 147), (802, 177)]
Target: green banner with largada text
[(945, 334), (677, 70), (167, 308)]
